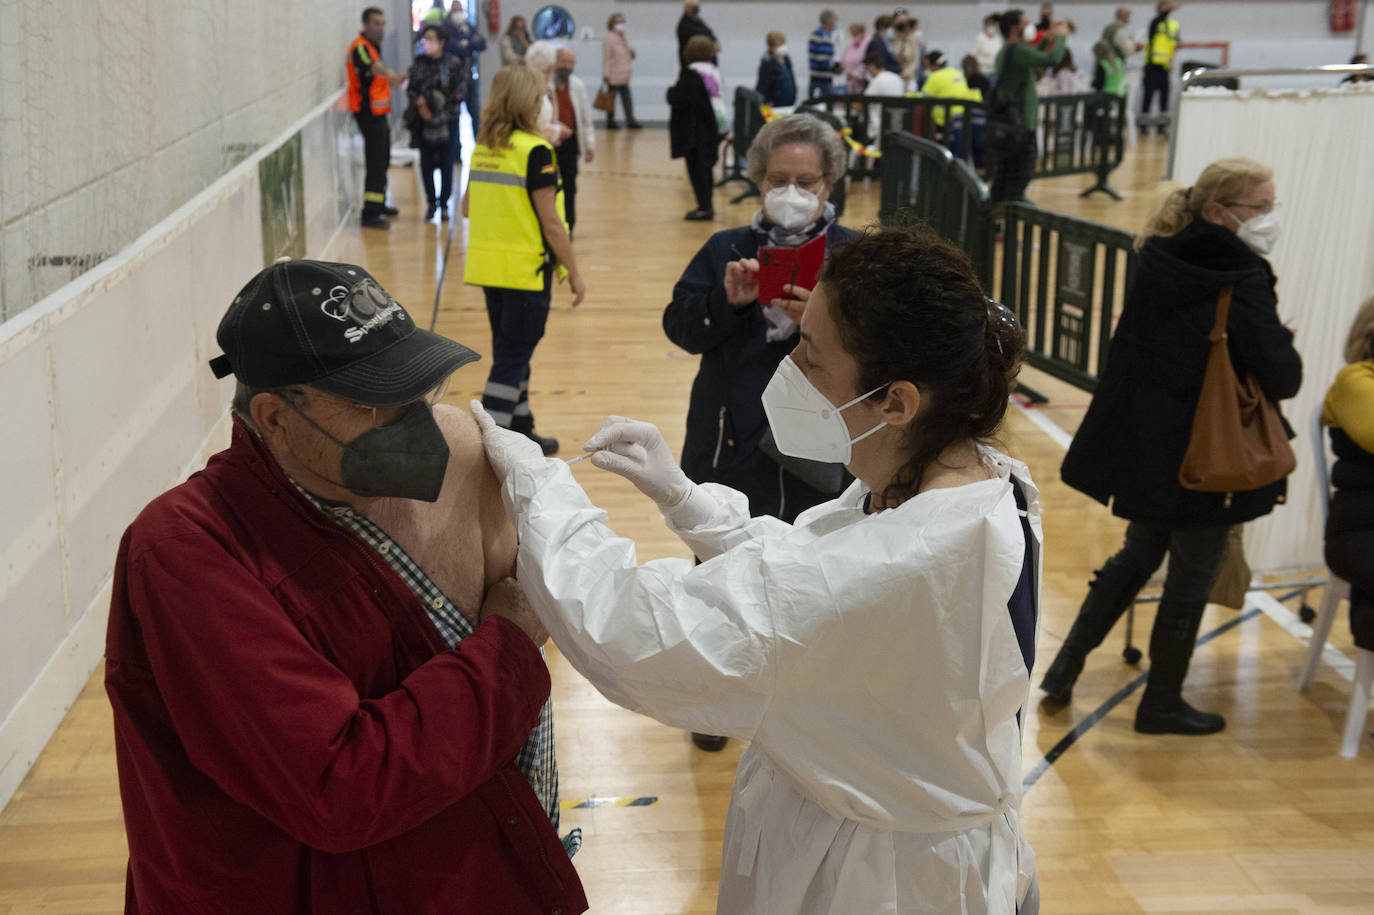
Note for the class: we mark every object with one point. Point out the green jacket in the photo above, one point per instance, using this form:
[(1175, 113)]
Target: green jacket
[(1015, 76)]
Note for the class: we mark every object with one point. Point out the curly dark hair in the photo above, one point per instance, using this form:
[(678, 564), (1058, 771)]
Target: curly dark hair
[(908, 306)]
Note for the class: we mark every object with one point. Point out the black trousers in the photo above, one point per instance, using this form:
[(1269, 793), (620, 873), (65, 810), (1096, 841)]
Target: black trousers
[(440, 157), (1156, 82), (1014, 170), (1349, 546), (376, 157), (699, 165), (568, 153), (517, 318), (626, 102), (1194, 557)]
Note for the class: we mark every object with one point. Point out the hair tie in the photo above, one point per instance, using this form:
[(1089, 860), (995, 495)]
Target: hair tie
[(1002, 316)]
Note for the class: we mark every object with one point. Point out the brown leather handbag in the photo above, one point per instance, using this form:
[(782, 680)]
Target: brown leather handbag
[(1238, 441), (605, 99)]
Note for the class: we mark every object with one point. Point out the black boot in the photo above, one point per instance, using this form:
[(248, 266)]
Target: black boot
[(1113, 588), (525, 426), (1063, 673), (709, 742), (1165, 714)]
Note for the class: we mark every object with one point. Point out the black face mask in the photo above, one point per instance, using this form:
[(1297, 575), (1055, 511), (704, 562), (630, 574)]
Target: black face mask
[(405, 459)]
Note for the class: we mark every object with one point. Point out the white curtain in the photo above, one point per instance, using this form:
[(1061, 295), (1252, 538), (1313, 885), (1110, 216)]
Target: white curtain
[(1320, 144)]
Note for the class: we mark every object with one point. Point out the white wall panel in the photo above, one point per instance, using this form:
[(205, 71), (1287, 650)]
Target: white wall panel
[(134, 409)]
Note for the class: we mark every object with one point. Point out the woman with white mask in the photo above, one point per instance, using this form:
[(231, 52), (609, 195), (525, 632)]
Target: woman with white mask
[(1202, 246), (876, 652), (715, 312)]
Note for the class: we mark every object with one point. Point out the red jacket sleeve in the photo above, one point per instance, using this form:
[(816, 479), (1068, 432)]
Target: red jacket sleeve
[(282, 730)]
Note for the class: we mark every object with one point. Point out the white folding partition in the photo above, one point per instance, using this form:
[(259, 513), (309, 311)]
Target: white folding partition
[(110, 402), (1318, 143)]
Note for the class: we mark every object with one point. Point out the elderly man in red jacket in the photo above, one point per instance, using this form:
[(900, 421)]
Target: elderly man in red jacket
[(316, 712)]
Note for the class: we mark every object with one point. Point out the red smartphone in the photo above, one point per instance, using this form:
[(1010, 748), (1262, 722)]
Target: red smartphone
[(779, 267)]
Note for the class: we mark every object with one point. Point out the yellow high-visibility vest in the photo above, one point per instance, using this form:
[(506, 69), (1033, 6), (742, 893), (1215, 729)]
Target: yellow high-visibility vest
[(506, 247), (947, 82), (1163, 40)]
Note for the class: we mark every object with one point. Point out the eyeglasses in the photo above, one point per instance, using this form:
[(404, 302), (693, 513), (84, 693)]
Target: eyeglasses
[(385, 416), (1269, 206), (809, 183)]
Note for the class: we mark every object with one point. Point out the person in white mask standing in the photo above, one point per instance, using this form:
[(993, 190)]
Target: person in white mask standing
[(876, 652), (1202, 245), (715, 312)]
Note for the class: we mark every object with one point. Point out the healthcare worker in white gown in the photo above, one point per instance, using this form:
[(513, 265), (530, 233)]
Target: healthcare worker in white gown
[(875, 653)]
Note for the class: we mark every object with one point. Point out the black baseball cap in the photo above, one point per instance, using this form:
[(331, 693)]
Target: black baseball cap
[(332, 327)]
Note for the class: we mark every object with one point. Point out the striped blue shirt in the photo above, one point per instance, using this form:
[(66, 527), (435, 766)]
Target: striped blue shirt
[(821, 51)]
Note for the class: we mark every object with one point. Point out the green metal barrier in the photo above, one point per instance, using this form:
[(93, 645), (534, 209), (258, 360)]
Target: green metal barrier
[(955, 123), (1081, 133), (1064, 278), (924, 182), (1077, 134), (748, 122)]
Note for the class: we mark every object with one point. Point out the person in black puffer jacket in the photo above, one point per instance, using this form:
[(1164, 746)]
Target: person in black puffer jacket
[(1128, 450), (715, 313), (1349, 411)]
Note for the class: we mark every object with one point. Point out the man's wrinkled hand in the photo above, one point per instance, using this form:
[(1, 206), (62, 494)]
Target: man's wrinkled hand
[(504, 448), (507, 599)]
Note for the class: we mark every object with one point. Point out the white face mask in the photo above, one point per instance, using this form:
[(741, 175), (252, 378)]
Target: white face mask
[(620, 27), (782, 50), (804, 423), (1029, 32), (1259, 232), (456, 16), (791, 207)]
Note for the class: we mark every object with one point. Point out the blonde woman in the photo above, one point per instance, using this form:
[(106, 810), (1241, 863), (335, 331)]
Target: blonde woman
[(1198, 241), (516, 240), (1349, 411)]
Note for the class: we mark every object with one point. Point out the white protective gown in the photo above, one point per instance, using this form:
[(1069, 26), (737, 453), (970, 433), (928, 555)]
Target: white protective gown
[(870, 659)]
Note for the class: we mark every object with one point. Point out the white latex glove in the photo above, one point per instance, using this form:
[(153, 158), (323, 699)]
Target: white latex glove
[(637, 452), (504, 448)]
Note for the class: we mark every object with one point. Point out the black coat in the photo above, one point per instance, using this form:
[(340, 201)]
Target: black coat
[(1132, 440), (687, 29), (691, 119), (725, 419)]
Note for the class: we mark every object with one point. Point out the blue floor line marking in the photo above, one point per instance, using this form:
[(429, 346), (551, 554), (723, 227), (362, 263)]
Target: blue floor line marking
[(1105, 708)]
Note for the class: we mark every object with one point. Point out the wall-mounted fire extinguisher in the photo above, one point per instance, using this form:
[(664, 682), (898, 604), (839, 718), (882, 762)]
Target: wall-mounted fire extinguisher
[(494, 16), (1344, 14)]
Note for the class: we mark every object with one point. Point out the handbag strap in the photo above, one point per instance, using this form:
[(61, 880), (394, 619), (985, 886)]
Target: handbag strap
[(1223, 311)]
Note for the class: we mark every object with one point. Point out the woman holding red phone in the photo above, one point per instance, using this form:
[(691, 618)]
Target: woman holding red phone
[(716, 313)]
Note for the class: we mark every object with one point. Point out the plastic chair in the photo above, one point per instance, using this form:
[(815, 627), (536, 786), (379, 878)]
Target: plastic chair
[(1336, 590)]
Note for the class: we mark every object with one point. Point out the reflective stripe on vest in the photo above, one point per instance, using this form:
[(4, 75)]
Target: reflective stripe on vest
[(1162, 43), (506, 248), (378, 91)]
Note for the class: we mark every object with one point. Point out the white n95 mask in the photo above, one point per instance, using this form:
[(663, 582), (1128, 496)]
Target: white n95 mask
[(804, 423), (1260, 232), (791, 207)]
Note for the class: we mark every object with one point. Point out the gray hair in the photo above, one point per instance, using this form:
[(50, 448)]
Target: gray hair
[(241, 405), (798, 128), (540, 55)]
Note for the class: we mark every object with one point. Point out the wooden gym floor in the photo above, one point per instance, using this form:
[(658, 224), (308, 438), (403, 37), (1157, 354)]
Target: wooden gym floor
[(1262, 818)]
